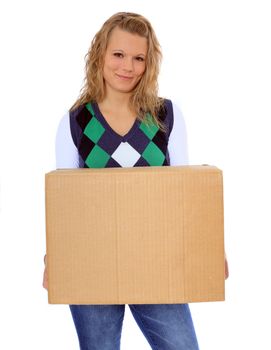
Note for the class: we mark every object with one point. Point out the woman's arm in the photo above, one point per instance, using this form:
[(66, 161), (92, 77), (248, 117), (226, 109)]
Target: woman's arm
[(66, 157), (177, 143), (178, 150), (66, 152)]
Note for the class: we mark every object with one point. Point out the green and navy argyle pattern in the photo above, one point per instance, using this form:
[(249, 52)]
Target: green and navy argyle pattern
[(100, 146)]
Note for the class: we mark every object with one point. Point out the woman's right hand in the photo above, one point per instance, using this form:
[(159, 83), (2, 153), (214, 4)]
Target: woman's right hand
[(45, 275)]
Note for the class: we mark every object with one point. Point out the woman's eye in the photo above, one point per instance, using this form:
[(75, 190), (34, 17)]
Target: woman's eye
[(118, 54), (140, 59)]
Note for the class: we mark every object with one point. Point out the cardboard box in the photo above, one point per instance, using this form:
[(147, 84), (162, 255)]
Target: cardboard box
[(142, 235)]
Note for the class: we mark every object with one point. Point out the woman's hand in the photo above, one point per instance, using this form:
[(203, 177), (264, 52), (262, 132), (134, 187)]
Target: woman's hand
[(226, 268), (45, 275)]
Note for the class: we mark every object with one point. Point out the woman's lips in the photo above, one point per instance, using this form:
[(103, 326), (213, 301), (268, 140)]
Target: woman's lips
[(124, 77)]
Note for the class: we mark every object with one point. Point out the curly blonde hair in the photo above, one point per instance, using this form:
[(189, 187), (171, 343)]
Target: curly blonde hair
[(144, 98)]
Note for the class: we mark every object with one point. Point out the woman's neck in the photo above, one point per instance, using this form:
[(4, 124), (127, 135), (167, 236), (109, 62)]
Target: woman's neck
[(116, 101)]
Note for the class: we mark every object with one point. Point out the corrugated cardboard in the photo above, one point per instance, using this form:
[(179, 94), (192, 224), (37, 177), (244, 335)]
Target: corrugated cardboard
[(135, 235)]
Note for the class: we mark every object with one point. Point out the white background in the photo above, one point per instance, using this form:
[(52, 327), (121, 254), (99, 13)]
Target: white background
[(216, 66)]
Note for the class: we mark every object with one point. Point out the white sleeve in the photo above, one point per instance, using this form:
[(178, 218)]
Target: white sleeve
[(177, 143), (66, 152)]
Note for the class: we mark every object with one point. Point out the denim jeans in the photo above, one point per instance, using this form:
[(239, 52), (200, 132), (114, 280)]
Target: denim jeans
[(165, 326)]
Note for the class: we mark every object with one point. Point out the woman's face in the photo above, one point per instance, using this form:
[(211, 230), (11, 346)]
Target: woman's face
[(125, 61)]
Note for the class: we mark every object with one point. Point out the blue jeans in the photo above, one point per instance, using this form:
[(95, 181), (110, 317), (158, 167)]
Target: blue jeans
[(165, 326)]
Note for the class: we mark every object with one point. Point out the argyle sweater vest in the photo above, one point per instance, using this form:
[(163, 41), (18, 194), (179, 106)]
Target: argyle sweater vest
[(99, 146)]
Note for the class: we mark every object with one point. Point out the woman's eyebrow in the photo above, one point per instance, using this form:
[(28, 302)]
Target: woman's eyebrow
[(120, 50)]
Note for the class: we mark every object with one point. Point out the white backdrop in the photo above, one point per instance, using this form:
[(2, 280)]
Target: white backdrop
[(217, 68)]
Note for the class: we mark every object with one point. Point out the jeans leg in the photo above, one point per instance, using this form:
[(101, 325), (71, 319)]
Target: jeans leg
[(98, 326), (166, 326)]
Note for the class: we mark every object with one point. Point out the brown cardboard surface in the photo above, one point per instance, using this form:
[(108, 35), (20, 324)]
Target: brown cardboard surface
[(135, 235)]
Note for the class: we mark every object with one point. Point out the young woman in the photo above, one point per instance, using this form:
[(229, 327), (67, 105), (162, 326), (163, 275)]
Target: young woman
[(119, 121)]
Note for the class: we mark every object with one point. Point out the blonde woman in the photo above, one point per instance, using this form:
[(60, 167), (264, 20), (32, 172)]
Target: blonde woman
[(119, 121)]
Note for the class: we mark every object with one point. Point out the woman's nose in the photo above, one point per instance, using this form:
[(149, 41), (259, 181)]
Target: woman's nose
[(128, 64)]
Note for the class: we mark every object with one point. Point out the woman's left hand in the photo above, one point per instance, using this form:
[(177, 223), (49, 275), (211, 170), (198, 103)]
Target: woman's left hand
[(226, 268)]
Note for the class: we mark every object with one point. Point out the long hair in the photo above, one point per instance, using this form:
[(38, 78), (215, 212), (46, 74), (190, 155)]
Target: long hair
[(144, 98)]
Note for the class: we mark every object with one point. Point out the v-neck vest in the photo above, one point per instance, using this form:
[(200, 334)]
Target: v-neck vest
[(99, 146)]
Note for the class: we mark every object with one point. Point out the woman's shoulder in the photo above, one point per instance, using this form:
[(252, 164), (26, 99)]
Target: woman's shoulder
[(171, 113), (170, 105), (165, 103), (171, 108), (74, 112), (165, 114)]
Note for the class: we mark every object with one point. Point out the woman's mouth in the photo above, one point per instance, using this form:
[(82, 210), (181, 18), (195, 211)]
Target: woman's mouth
[(124, 77)]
